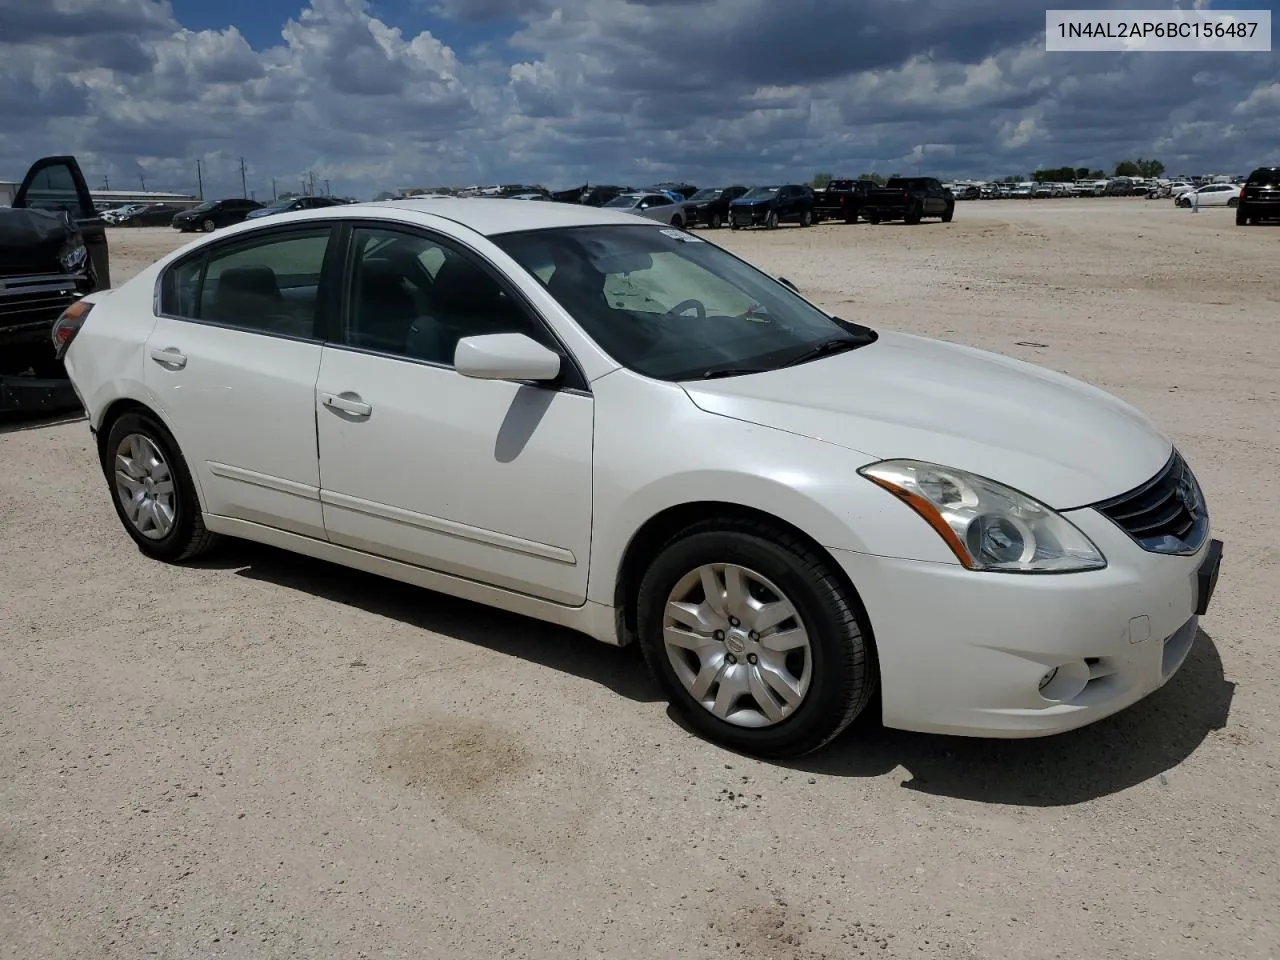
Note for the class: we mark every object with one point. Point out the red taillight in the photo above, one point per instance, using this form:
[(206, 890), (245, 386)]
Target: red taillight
[(68, 325)]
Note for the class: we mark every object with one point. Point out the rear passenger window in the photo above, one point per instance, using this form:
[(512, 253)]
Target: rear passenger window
[(269, 287)]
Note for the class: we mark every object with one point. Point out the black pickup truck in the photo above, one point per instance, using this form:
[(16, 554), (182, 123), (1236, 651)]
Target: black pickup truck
[(53, 251), (909, 199), (841, 199)]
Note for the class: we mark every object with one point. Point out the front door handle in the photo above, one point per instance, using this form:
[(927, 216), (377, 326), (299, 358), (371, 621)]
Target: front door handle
[(347, 403), (169, 357)]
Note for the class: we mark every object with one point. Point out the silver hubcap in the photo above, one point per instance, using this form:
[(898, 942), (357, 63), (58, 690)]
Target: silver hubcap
[(144, 486), (737, 644)]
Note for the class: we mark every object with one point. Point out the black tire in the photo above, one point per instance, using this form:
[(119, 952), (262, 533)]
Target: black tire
[(771, 221), (914, 214), (733, 226), (844, 673), (208, 226), (949, 213), (716, 222), (851, 217), (806, 218), (188, 537), (1242, 217), (873, 217), (676, 221), (1233, 203)]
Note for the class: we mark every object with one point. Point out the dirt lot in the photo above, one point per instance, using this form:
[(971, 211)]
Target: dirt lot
[(266, 756)]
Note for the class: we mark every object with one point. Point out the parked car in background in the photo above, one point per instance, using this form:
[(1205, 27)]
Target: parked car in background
[(151, 215), (114, 214), (1211, 195), (771, 206), (590, 196), (910, 199), (1259, 197), (212, 214), (529, 196), (710, 206), (680, 189), (966, 191), (841, 199), (293, 203), (53, 252), (585, 418), (654, 206)]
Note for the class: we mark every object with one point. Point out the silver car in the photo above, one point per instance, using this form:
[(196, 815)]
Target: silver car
[(655, 206)]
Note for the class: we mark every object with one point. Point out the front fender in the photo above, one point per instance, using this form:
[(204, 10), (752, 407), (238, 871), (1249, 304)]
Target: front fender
[(678, 454)]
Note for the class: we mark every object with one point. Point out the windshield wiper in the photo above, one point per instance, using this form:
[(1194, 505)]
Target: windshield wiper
[(718, 372), (825, 349)]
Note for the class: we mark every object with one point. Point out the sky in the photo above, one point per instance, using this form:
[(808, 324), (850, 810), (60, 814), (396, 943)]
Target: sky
[(373, 95)]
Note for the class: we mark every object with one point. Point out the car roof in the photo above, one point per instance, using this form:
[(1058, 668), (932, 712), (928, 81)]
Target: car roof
[(489, 217)]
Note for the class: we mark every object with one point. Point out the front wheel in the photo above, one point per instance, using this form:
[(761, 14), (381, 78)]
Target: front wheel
[(771, 222), (716, 222), (152, 489), (754, 639), (209, 226), (949, 213)]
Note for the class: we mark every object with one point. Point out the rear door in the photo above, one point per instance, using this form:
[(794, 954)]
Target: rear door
[(56, 183), (233, 361)]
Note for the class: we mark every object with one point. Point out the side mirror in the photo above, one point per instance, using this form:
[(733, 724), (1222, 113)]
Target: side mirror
[(505, 356), (787, 283)]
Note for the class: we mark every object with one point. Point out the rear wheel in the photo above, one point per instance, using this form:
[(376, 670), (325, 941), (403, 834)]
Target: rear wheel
[(152, 489), (1233, 203), (914, 214), (873, 217), (1242, 217), (806, 219), (754, 639)]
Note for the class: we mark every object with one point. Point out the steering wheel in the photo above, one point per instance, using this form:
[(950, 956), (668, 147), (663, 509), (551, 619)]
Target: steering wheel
[(684, 305)]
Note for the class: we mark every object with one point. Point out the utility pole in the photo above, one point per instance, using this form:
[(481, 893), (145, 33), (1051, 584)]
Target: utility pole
[(199, 180), (312, 191), (244, 189), (273, 188), (142, 179), (106, 182), (327, 191)]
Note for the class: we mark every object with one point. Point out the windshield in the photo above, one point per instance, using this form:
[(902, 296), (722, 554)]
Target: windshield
[(672, 306), (207, 205), (279, 205), (706, 194), (1263, 176), (759, 193), (623, 201)]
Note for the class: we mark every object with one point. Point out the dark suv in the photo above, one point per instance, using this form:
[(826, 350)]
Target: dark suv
[(1260, 198), (770, 206), (710, 207), (212, 214)]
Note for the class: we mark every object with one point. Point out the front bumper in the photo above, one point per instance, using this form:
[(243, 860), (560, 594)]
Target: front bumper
[(966, 653), (749, 216)]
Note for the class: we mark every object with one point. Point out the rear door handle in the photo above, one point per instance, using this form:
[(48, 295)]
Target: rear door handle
[(169, 357), (347, 403)]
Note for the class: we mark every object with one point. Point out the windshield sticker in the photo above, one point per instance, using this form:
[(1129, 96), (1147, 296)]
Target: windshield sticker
[(682, 236)]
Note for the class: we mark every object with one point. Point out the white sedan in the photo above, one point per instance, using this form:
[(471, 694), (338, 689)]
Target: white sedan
[(1211, 195), (621, 428)]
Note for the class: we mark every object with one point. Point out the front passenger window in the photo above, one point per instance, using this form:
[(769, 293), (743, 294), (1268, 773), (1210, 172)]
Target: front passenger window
[(416, 297)]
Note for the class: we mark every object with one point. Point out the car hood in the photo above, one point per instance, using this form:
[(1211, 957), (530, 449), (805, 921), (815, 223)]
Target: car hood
[(1057, 439)]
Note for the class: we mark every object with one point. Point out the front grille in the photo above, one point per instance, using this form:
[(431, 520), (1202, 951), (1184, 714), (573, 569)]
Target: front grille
[(1166, 514)]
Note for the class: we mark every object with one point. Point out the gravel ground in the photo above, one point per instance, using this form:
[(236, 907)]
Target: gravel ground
[(265, 756)]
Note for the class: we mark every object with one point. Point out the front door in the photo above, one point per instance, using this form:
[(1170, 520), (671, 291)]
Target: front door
[(482, 479), (233, 360)]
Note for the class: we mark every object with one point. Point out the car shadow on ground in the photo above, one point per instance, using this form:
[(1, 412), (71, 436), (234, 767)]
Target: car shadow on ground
[(1145, 741), (620, 670)]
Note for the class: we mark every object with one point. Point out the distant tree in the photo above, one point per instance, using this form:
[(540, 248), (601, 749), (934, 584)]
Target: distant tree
[(1150, 168), (1013, 178), (1097, 175), (1126, 168), (1082, 173), (872, 176), (1054, 175), (820, 180)]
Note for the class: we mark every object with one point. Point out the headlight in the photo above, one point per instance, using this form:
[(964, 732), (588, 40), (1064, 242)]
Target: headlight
[(987, 525), (74, 255)]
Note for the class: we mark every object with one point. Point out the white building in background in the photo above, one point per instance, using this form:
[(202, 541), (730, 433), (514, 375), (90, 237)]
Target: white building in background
[(107, 199)]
